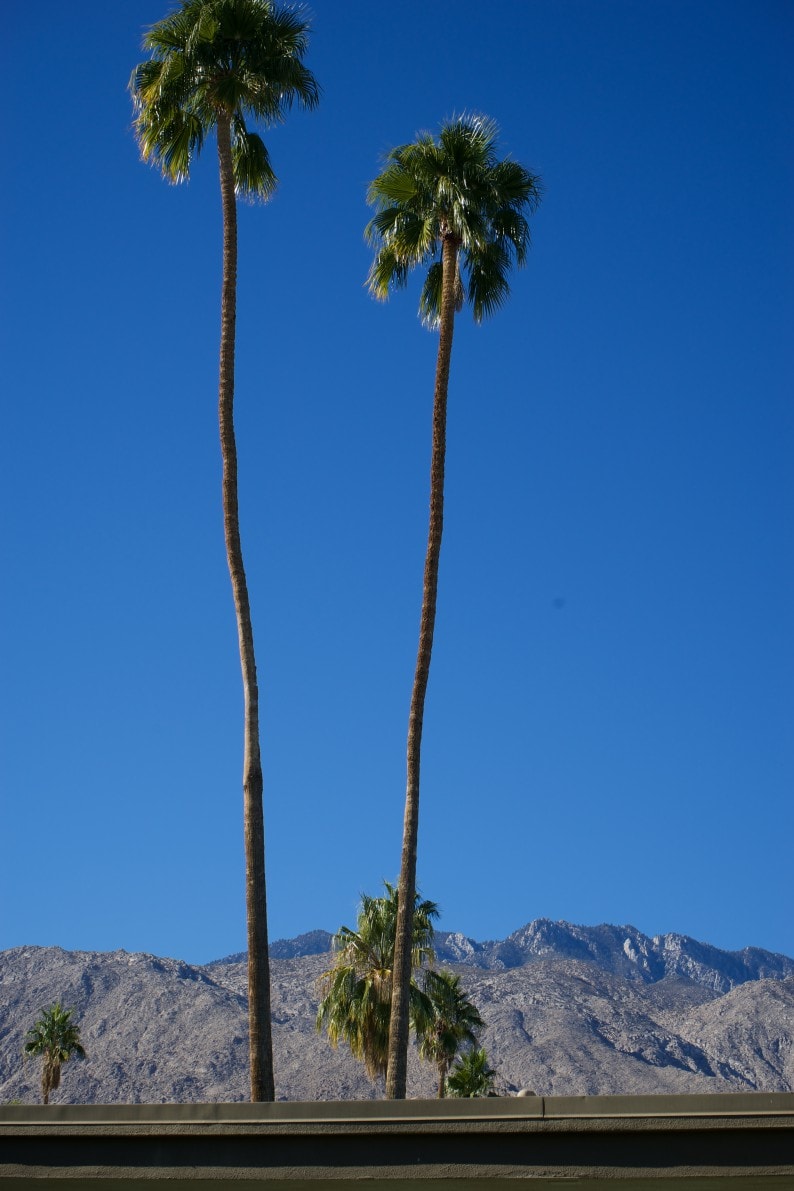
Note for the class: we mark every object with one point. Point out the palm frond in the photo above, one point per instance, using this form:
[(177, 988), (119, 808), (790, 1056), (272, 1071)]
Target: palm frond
[(487, 279), (170, 139), (387, 272), (253, 173), (511, 228), (394, 185), (430, 298), (471, 1076), (516, 185)]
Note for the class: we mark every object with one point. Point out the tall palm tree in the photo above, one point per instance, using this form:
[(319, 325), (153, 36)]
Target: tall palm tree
[(56, 1038), (219, 64), (356, 1003), (452, 1023), (451, 204)]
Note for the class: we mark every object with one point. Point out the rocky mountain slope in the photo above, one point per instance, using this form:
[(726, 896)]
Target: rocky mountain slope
[(568, 1010)]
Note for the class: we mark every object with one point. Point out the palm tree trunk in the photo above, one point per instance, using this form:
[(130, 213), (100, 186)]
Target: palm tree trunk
[(50, 1077), (260, 1039), (399, 1025)]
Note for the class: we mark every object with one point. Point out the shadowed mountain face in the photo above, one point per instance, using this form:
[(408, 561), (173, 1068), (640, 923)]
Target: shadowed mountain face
[(568, 1010)]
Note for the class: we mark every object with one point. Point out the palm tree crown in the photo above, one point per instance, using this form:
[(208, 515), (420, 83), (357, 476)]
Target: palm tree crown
[(356, 1003), (471, 1076), (451, 187), (212, 59)]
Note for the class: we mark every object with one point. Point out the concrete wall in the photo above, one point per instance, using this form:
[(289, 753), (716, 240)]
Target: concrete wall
[(717, 1140)]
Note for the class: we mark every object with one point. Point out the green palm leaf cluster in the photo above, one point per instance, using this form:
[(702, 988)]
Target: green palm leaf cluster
[(451, 187), (356, 1003), (56, 1038), (231, 59), (451, 1023), (471, 1075)]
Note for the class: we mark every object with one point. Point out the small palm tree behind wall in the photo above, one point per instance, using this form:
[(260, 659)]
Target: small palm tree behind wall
[(471, 1076), (220, 64), (452, 1023), (450, 204), (57, 1039)]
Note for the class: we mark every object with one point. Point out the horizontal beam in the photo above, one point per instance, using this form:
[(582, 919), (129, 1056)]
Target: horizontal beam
[(606, 1138)]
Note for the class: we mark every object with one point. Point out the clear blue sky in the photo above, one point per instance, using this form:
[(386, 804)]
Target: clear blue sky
[(608, 733)]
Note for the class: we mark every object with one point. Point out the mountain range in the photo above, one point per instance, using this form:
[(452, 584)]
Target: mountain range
[(569, 1010)]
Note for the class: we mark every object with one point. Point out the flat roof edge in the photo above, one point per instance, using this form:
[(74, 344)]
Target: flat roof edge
[(724, 1105)]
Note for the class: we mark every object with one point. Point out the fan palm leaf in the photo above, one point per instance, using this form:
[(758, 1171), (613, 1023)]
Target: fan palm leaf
[(471, 1076)]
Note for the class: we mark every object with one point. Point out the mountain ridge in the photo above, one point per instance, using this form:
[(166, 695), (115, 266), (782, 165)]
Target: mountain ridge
[(569, 1010), (621, 949)]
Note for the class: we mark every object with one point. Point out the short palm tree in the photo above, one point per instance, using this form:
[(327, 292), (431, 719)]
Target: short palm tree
[(451, 1023), (356, 1002), (56, 1038), (448, 203), (471, 1076), (219, 64)]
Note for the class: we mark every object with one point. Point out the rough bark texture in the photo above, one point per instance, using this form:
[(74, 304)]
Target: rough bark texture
[(399, 1026), (260, 1040)]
